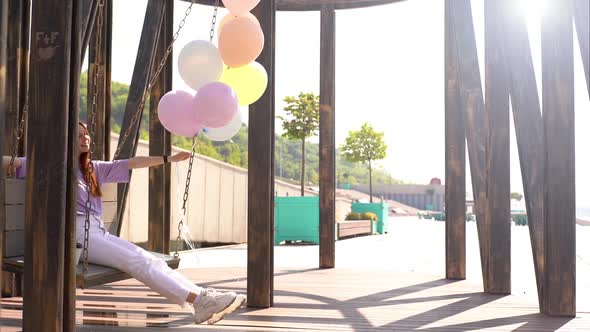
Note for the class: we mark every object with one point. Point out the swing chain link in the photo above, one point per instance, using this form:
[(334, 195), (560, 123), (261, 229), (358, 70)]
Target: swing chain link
[(146, 92), (185, 197), (213, 21), (91, 131)]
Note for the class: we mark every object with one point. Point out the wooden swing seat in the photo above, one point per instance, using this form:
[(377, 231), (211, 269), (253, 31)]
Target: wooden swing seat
[(14, 260), (95, 276)]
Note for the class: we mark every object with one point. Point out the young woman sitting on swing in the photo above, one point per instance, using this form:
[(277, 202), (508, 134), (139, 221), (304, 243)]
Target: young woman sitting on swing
[(109, 250)]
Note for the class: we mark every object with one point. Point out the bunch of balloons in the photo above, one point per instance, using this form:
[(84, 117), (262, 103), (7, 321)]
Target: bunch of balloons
[(223, 78)]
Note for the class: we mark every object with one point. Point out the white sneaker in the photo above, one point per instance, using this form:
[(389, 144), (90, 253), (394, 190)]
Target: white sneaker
[(213, 306)]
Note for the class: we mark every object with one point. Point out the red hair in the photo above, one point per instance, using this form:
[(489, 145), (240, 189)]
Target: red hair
[(84, 162)]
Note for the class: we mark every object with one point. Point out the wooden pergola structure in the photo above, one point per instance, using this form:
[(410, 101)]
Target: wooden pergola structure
[(48, 74)]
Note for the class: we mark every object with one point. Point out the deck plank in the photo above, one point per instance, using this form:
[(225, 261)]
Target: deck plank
[(337, 299)]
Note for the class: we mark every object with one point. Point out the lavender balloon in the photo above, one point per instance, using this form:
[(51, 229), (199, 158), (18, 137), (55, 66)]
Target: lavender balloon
[(215, 105), (175, 111)]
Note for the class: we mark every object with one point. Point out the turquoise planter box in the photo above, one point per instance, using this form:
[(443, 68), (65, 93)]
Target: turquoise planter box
[(297, 219), (380, 209)]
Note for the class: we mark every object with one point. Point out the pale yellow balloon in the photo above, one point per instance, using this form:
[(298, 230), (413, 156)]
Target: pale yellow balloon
[(248, 82)]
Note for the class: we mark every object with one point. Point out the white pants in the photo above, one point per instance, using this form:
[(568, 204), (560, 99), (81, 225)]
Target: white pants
[(109, 250)]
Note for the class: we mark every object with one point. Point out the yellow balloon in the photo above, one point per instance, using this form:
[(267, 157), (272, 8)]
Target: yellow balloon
[(249, 82)]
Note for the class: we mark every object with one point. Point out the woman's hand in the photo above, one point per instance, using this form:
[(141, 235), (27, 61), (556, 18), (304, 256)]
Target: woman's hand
[(179, 157)]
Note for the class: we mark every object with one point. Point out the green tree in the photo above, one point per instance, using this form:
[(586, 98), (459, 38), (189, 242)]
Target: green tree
[(364, 146), (302, 121), (516, 196)]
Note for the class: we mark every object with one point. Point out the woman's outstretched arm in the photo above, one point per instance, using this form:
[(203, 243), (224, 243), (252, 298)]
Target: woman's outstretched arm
[(141, 162)]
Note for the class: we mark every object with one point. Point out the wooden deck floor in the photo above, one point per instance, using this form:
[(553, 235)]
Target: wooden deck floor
[(317, 300)]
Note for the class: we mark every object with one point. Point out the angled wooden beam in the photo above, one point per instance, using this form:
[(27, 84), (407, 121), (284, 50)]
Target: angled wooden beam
[(89, 10), (299, 5), (154, 16), (498, 151), (477, 131), (160, 144), (454, 160), (582, 19), (327, 136), (48, 171), (108, 68), (528, 125), (314, 5), (560, 194), (261, 134)]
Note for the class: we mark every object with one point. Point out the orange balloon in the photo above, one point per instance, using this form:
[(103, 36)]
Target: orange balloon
[(240, 41), (230, 17)]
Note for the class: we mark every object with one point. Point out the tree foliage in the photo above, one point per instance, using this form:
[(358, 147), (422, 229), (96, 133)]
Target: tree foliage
[(364, 146), (288, 153), (516, 196), (302, 120)]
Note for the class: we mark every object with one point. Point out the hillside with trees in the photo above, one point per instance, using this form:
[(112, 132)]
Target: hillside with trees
[(287, 152)]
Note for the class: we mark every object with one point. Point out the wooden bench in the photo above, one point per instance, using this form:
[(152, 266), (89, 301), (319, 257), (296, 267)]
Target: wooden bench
[(349, 228), (14, 239)]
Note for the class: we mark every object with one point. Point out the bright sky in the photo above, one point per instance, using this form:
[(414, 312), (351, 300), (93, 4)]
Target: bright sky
[(389, 72)]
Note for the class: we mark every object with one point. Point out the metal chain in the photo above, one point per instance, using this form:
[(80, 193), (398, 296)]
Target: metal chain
[(213, 21), (146, 92), (91, 130), (19, 131), (185, 196), (191, 160)]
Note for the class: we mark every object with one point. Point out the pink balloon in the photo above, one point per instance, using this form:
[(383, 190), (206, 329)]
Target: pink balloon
[(215, 104), (175, 111), (240, 41), (240, 7)]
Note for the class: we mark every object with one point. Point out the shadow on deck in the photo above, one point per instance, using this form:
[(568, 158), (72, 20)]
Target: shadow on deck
[(317, 300)]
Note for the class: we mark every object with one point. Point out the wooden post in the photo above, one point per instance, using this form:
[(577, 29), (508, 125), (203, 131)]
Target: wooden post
[(16, 70), (69, 294), (475, 119), (159, 177), (560, 199), (15, 63), (154, 15), (96, 63), (582, 19), (48, 174), (99, 60), (454, 159), (327, 136), (3, 52), (261, 172), (498, 153), (528, 125), (24, 65)]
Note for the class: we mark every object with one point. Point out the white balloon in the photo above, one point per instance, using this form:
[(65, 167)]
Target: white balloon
[(226, 132), (199, 63)]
